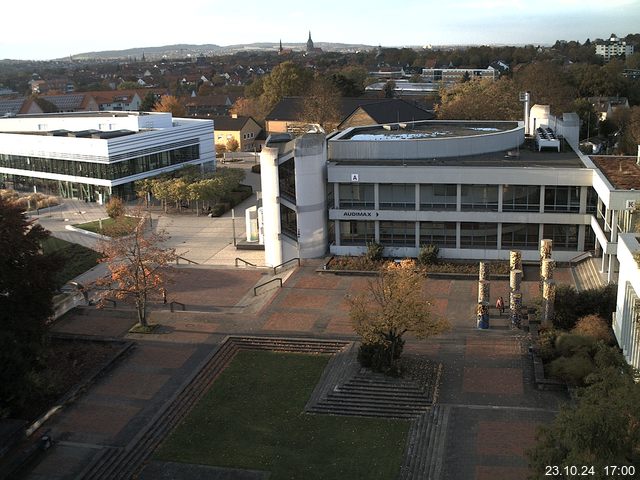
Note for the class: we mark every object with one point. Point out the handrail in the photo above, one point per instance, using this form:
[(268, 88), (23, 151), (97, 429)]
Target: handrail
[(245, 262), (255, 289), (582, 256), (284, 263), (184, 307), (178, 257)]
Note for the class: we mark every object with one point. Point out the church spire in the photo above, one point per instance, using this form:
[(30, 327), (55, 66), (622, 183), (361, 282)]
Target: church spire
[(309, 43)]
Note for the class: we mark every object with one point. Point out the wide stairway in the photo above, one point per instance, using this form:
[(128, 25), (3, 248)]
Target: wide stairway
[(586, 274)]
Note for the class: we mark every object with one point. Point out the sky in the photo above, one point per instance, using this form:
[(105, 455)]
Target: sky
[(48, 30)]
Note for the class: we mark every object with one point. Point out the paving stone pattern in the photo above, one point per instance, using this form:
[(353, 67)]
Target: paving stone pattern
[(484, 413)]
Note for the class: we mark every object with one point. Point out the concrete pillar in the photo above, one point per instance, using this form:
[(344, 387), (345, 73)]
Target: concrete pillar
[(483, 271), (546, 247), (484, 294), (549, 298), (515, 260), (515, 280), (515, 303), (547, 268)]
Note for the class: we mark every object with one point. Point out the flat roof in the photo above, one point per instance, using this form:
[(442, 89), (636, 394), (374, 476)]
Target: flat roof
[(525, 156), (622, 172), (426, 130)]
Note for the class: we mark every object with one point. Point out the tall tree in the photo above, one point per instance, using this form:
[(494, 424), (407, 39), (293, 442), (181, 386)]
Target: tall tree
[(393, 305), (321, 105), (26, 291), (169, 103), (601, 430), (138, 266), (480, 99), (285, 80)]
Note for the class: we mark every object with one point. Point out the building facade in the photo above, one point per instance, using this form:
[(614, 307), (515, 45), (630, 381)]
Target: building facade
[(614, 47), (94, 155)]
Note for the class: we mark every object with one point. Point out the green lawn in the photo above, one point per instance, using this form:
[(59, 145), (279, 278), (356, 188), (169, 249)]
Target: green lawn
[(123, 224), (76, 259), (253, 418)]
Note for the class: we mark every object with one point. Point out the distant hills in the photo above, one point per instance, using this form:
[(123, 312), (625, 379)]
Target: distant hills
[(185, 50)]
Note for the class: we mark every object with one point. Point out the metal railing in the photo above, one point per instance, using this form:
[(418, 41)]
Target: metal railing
[(285, 263), (249, 264), (178, 258), (255, 289)]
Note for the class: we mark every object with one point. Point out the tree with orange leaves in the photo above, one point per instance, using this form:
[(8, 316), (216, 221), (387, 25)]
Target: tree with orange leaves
[(169, 103), (392, 305), (138, 266)]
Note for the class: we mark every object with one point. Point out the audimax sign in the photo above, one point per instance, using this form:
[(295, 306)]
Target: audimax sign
[(359, 213)]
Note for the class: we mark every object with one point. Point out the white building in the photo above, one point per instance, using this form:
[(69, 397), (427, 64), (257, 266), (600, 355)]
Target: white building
[(614, 47), (475, 189), (93, 155)]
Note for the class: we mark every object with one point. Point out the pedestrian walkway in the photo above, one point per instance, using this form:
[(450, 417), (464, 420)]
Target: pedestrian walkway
[(488, 407)]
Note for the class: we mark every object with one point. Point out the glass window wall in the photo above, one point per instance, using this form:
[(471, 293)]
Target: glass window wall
[(397, 196), (357, 195), (357, 232), (398, 234), (438, 197), (520, 198), (442, 234), (562, 199), (525, 236), (565, 237), (479, 235), (480, 197)]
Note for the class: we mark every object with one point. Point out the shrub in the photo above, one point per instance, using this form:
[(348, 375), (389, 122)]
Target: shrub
[(219, 209), (572, 370), (595, 327), (114, 207), (377, 357), (547, 344), (571, 305), (374, 251), (255, 168), (569, 344), (428, 254)]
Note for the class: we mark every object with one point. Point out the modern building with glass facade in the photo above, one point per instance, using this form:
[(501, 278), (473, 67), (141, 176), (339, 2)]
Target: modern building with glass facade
[(475, 189), (93, 155)]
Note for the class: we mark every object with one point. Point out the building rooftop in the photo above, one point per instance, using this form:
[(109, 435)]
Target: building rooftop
[(409, 131), (622, 172), (525, 156)]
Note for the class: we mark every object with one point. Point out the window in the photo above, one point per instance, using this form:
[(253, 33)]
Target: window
[(592, 200), (357, 232), (520, 198), (565, 237), (356, 195), (479, 235), (438, 197), (398, 196), (288, 222), (442, 234), (520, 235), (480, 197), (287, 177), (561, 199), (399, 234)]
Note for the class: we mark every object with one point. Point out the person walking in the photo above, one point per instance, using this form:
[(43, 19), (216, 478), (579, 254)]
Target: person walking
[(500, 305)]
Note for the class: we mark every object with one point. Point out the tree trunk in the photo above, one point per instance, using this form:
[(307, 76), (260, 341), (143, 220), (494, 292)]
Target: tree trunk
[(141, 307)]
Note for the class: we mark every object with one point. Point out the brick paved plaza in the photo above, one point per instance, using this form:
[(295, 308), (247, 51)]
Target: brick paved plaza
[(487, 379)]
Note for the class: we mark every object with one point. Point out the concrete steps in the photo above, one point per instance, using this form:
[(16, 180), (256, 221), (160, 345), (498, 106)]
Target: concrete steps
[(426, 445), (586, 275), (347, 389), (122, 463)]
